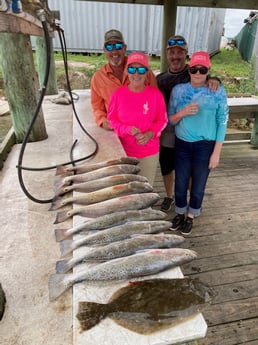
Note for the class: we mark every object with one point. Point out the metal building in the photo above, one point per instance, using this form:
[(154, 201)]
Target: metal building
[(85, 22)]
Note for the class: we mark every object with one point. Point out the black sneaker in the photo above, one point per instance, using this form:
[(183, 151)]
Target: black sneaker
[(177, 221), (187, 227), (166, 204)]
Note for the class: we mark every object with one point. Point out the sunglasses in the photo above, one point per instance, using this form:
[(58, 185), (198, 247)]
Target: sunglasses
[(140, 70), (178, 42), (202, 70), (117, 46)]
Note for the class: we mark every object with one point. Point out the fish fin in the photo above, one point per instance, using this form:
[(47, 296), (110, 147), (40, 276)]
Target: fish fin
[(62, 170), (60, 235), (66, 247), (56, 203), (57, 285), (62, 266), (61, 217), (90, 314)]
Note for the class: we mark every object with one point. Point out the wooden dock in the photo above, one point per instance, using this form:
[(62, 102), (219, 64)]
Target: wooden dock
[(226, 238)]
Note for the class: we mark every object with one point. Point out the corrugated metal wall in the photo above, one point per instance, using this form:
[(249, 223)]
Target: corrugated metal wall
[(84, 24)]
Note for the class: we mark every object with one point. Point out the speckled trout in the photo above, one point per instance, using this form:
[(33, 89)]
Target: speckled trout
[(116, 233), (137, 265), (121, 248), (108, 181), (102, 194), (96, 174), (109, 220), (79, 169), (127, 202)]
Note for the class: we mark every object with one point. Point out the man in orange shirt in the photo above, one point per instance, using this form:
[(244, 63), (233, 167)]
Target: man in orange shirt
[(111, 76)]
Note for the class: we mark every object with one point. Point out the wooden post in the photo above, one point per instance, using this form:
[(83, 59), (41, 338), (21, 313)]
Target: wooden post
[(41, 55), (169, 27), (21, 85), (254, 134)]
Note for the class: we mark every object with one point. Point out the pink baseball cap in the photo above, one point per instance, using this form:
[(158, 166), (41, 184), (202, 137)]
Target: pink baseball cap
[(200, 58), (138, 57)]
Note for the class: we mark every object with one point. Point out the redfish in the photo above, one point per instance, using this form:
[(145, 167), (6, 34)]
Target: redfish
[(102, 194), (96, 174), (79, 169), (108, 181), (127, 202)]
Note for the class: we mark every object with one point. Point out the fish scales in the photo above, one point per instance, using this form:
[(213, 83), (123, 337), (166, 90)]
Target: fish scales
[(96, 174), (121, 248), (109, 220), (137, 265), (102, 194), (78, 169), (93, 185), (115, 233), (127, 202)]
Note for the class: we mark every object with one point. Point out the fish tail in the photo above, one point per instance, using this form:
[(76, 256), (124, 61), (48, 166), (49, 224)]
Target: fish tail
[(57, 285), (60, 234), (59, 191), (90, 314), (61, 217), (59, 183), (62, 266), (61, 170), (56, 203), (66, 247)]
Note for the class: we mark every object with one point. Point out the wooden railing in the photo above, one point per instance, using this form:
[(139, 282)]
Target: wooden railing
[(243, 108)]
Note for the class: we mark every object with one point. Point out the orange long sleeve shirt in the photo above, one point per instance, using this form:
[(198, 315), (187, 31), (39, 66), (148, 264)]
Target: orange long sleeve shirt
[(103, 84)]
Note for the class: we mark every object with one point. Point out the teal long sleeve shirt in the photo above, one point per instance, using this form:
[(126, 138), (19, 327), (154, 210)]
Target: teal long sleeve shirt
[(210, 122)]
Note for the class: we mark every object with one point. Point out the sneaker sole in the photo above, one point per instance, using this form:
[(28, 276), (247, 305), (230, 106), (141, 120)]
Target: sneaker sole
[(186, 233), (175, 229)]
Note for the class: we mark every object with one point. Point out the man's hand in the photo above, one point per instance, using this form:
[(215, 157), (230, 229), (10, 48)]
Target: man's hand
[(106, 125), (213, 84)]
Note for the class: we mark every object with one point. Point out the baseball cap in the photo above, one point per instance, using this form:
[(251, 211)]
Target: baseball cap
[(177, 41), (200, 58), (113, 35), (138, 57)]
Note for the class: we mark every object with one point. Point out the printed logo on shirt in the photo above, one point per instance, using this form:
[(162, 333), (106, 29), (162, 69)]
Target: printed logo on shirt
[(145, 108)]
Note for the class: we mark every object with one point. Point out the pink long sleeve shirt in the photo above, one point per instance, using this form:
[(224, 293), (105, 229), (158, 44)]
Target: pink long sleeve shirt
[(145, 110)]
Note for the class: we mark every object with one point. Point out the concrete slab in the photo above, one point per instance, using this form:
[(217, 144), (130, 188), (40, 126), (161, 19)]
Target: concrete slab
[(28, 250)]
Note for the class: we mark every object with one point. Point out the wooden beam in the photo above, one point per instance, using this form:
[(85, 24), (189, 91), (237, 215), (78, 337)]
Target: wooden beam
[(239, 4), (22, 23)]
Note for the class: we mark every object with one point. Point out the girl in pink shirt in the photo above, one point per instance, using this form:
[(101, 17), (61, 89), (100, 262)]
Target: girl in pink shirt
[(137, 113)]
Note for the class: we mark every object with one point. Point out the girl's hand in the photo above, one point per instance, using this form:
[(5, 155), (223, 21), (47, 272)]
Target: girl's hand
[(143, 138), (135, 130)]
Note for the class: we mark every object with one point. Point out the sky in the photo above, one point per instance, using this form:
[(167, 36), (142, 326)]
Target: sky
[(234, 21)]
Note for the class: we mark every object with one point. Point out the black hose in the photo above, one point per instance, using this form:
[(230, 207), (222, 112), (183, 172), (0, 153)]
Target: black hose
[(41, 97)]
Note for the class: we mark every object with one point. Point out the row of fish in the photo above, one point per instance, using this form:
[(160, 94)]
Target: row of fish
[(123, 230)]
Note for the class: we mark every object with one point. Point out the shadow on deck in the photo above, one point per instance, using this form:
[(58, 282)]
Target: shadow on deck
[(226, 238)]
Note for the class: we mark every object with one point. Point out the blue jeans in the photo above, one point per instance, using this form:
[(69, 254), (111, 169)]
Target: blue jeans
[(192, 161)]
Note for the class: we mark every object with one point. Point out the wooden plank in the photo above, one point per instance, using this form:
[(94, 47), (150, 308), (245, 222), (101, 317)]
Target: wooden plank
[(23, 23), (239, 332)]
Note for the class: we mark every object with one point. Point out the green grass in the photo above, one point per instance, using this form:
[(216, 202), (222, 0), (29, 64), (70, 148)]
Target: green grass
[(236, 75)]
